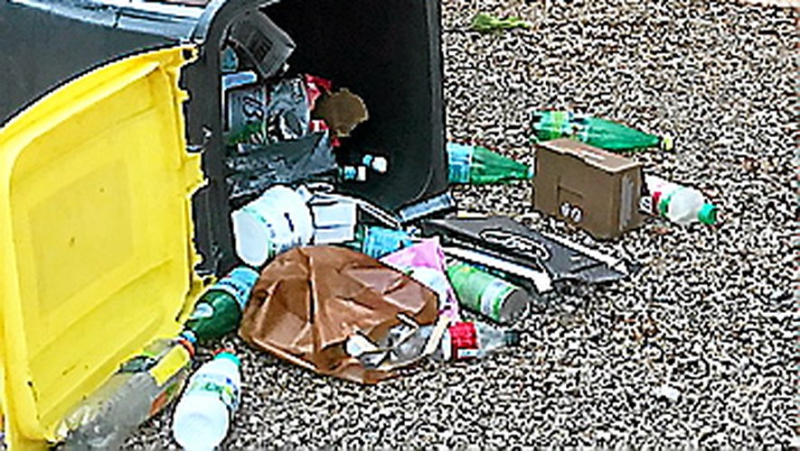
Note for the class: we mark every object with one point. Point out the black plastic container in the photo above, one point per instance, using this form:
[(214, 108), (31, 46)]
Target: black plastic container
[(388, 52)]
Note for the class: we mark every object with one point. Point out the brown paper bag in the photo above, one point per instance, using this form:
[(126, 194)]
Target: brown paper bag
[(309, 300)]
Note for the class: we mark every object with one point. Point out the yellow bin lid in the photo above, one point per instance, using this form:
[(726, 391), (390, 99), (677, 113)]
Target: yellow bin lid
[(96, 250)]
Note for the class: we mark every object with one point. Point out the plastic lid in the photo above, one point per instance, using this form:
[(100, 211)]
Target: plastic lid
[(512, 338), (708, 214), (667, 143)]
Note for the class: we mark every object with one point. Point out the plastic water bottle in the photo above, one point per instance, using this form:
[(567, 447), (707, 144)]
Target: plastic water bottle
[(478, 165), (680, 204), (219, 311), (202, 416), (484, 293), (461, 341), (139, 390)]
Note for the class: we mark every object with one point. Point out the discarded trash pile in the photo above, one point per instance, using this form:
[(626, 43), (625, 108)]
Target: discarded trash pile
[(335, 285)]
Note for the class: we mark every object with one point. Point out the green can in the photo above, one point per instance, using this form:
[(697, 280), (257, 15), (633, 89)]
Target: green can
[(484, 293)]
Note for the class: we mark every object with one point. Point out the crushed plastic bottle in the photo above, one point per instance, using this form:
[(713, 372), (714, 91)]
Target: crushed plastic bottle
[(461, 341), (202, 416), (141, 388)]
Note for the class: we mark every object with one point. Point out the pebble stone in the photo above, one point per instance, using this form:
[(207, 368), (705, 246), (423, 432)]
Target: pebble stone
[(712, 314)]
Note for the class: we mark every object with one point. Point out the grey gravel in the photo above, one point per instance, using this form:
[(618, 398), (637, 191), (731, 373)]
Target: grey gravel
[(712, 315)]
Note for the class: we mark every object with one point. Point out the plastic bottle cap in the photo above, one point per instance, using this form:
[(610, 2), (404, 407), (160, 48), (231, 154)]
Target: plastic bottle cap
[(708, 214), (667, 143), (512, 338), (229, 356)]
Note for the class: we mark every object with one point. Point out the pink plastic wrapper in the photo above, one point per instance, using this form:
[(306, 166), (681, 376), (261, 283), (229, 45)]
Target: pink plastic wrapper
[(425, 263)]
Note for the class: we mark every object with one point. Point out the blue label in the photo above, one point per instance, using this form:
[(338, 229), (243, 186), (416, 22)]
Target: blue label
[(238, 283), (379, 241), (459, 161)]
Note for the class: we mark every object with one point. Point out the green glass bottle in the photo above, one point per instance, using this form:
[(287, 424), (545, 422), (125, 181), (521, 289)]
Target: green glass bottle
[(219, 311), (478, 165), (602, 133)]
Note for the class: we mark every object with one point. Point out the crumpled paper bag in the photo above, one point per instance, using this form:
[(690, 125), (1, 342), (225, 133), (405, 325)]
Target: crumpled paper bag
[(309, 300)]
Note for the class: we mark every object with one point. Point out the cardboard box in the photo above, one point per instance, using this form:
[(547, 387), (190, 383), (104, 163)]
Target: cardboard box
[(590, 188)]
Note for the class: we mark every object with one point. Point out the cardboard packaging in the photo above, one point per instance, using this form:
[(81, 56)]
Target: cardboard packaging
[(590, 188)]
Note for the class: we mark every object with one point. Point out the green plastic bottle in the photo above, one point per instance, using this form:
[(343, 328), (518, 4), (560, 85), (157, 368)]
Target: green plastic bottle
[(219, 311), (602, 133), (478, 165)]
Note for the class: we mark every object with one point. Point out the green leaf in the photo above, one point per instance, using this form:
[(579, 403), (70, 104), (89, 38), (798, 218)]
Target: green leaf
[(484, 23)]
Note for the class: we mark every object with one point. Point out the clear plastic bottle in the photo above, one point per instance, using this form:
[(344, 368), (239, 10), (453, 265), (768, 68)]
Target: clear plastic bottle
[(679, 204), (202, 416), (461, 341), (138, 391)]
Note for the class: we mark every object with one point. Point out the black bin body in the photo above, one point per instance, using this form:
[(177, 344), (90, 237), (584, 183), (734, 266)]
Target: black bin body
[(387, 51)]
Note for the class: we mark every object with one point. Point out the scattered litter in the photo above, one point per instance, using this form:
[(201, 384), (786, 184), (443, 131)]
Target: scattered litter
[(342, 111), (334, 219), (602, 133), (141, 388), (310, 300), (478, 165), (505, 239), (668, 392), (256, 167), (486, 23), (218, 312), (377, 163), (588, 187), (378, 241), (260, 44), (425, 263), (203, 414), (353, 173), (275, 222), (491, 296), (443, 342), (680, 204)]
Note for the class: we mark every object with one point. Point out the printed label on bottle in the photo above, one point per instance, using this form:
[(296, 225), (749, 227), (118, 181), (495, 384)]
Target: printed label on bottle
[(493, 297), (177, 358), (238, 283), (463, 340), (217, 384)]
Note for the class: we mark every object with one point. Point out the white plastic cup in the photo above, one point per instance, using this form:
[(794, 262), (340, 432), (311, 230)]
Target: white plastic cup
[(275, 222), (202, 417)]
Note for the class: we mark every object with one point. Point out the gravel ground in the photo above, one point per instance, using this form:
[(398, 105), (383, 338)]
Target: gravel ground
[(712, 313)]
